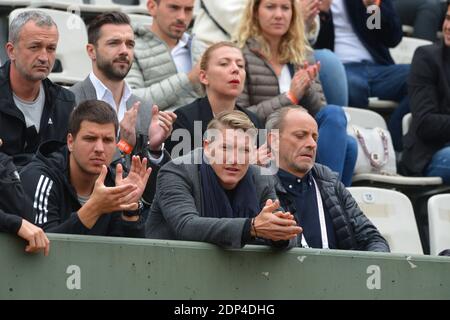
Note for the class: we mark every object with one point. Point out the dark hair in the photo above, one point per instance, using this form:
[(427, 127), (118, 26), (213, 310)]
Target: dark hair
[(95, 25), (96, 111)]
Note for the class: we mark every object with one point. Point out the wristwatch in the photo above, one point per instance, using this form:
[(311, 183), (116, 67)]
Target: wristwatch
[(136, 212)]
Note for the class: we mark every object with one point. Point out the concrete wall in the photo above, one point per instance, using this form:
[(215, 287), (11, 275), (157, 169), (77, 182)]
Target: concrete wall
[(118, 268)]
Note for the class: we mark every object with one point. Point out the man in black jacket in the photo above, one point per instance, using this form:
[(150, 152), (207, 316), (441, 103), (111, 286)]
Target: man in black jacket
[(72, 189), (13, 204), (321, 204), (427, 149), (32, 108), (361, 32)]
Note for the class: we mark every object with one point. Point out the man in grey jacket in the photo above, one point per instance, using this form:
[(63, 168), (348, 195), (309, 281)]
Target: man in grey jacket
[(143, 128), (164, 70), (328, 214), (214, 195)]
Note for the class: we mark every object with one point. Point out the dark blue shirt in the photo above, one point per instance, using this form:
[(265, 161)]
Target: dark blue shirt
[(303, 193)]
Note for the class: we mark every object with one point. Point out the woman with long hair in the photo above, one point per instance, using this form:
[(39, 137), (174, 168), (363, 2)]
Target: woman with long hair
[(281, 71)]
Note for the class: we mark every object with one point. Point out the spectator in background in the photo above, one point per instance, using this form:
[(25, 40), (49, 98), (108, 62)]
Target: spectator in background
[(143, 128), (32, 108), (371, 71), (281, 71), (217, 21), (332, 72), (12, 207), (322, 206), (424, 16), (214, 194), (164, 71), (72, 189), (222, 72), (427, 144)]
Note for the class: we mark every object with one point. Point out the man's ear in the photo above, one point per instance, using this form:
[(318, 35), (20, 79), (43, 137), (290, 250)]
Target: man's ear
[(206, 145), (273, 140), (151, 7), (70, 140), (9, 48), (90, 48)]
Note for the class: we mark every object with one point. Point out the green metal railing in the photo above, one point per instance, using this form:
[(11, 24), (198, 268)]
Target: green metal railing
[(81, 267)]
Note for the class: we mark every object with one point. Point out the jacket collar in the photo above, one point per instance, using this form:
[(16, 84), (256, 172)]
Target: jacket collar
[(144, 31), (7, 104)]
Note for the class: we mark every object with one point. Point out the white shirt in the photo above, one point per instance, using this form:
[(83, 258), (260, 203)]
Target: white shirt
[(347, 45), (182, 56), (104, 94), (284, 80)]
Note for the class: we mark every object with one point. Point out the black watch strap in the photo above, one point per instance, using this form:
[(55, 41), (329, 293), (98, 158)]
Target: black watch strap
[(136, 212)]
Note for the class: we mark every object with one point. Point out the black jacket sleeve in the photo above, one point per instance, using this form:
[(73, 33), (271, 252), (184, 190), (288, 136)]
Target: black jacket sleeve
[(150, 188), (182, 122), (367, 236), (49, 209), (433, 125), (122, 228), (9, 223)]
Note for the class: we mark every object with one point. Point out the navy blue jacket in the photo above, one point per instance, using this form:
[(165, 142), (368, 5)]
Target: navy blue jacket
[(376, 41), (353, 229)]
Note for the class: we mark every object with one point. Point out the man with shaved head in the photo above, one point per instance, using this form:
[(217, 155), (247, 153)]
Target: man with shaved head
[(322, 206)]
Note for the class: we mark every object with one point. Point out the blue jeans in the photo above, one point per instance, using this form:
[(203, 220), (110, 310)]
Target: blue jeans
[(440, 165), (335, 148), (333, 77), (387, 82)]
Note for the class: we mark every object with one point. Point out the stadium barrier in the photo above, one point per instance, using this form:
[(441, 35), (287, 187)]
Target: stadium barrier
[(86, 267)]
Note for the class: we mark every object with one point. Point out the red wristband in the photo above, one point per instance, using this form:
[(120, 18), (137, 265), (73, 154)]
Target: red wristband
[(292, 97), (124, 146)]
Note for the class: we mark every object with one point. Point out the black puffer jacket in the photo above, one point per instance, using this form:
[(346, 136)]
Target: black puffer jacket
[(353, 230)]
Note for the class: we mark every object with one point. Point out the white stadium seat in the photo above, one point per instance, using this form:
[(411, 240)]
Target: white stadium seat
[(392, 213), (439, 223)]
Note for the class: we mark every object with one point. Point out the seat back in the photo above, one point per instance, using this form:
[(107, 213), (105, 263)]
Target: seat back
[(125, 6), (404, 52), (140, 19), (439, 223), (392, 213), (71, 50), (364, 118), (406, 123)]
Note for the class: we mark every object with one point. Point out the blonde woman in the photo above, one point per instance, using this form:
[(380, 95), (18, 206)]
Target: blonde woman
[(281, 71), (222, 73)]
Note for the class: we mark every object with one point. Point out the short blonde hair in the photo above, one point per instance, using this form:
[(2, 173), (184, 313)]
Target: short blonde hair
[(234, 119), (294, 46), (208, 52)]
